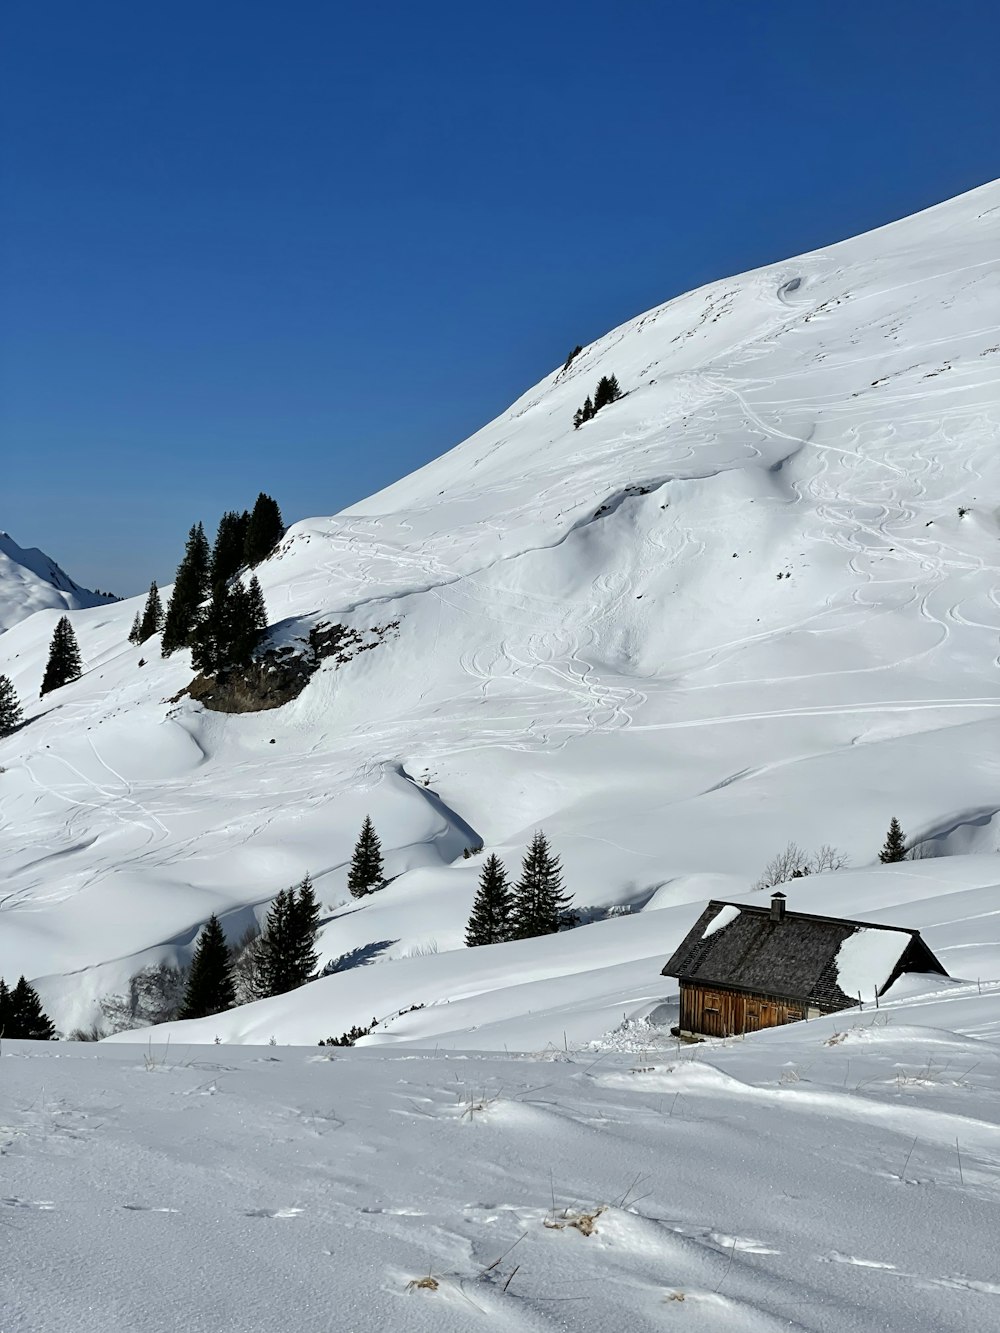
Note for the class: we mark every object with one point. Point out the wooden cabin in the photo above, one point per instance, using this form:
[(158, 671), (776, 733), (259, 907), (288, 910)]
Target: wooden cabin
[(742, 968)]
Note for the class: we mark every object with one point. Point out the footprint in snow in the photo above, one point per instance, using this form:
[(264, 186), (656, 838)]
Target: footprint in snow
[(835, 1257), (40, 1205), (274, 1212), (147, 1208)]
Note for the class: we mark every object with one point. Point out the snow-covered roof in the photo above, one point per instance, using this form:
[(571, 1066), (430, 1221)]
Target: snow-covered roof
[(827, 961)]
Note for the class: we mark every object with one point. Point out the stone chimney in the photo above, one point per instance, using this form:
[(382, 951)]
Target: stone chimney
[(777, 906)]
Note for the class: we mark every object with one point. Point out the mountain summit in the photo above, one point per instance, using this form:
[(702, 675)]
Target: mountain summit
[(31, 581)]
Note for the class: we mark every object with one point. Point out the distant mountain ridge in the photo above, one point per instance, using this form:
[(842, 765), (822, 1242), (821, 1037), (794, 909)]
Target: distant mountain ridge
[(31, 581)]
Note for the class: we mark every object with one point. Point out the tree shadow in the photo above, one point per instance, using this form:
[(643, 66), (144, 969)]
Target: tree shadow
[(362, 956)]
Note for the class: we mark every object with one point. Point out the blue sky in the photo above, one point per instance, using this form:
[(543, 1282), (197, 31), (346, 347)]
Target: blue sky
[(306, 248)]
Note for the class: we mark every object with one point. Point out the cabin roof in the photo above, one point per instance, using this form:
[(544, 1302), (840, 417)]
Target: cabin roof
[(822, 960)]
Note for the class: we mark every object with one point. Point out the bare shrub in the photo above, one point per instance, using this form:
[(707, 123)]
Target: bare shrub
[(789, 864), (93, 1033), (827, 858), (795, 863)]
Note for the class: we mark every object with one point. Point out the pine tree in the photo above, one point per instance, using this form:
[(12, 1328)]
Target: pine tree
[(305, 928), (539, 904), (210, 981), (152, 615), (258, 607), (4, 1009), (366, 872), (264, 530), (276, 958), (894, 847), (204, 635), (64, 658), (227, 553), (578, 418), (26, 1018), (588, 409), (191, 586), (135, 633), (490, 921), (10, 707)]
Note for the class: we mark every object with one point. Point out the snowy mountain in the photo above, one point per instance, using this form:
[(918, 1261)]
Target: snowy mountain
[(30, 581), (754, 600)]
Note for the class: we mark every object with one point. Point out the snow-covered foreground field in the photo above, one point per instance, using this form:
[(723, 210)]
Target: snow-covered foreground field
[(838, 1176)]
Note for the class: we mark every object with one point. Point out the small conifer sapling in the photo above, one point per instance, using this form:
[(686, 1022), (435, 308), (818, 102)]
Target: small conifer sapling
[(894, 847), (366, 873)]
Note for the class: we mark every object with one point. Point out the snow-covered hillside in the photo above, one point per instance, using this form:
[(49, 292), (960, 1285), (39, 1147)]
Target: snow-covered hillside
[(30, 581), (753, 601)]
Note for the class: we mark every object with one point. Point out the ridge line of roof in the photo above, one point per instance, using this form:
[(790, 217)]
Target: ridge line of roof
[(811, 916)]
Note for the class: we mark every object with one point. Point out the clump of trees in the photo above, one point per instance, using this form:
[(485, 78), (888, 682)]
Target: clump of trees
[(21, 1013), (535, 905), (64, 664), (367, 872), (150, 620), (10, 707), (607, 391), (794, 863), (227, 631), (242, 540), (349, 1037)]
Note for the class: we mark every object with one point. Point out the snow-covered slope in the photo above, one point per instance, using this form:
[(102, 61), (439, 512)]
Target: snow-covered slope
[(754, 600), (30, 581)]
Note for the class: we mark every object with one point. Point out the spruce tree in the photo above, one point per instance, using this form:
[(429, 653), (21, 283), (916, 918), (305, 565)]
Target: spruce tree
[(209, 633), (588, 409), (191, 585), (264, 530), (210, 981), (578, 418), (152, 615), (278, 955), (894, 847), (10, 707), (135, 633), (305, 928), (26, 1018), (366, 872), (539, 903), (257, 607), (4, 1009), (227, 552), (64, 658), (490, 920)]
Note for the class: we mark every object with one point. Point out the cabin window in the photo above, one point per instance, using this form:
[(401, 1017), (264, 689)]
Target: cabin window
[(711, 1009)]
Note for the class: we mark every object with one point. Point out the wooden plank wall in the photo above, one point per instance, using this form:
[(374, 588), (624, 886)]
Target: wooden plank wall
[(713, 1011)]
